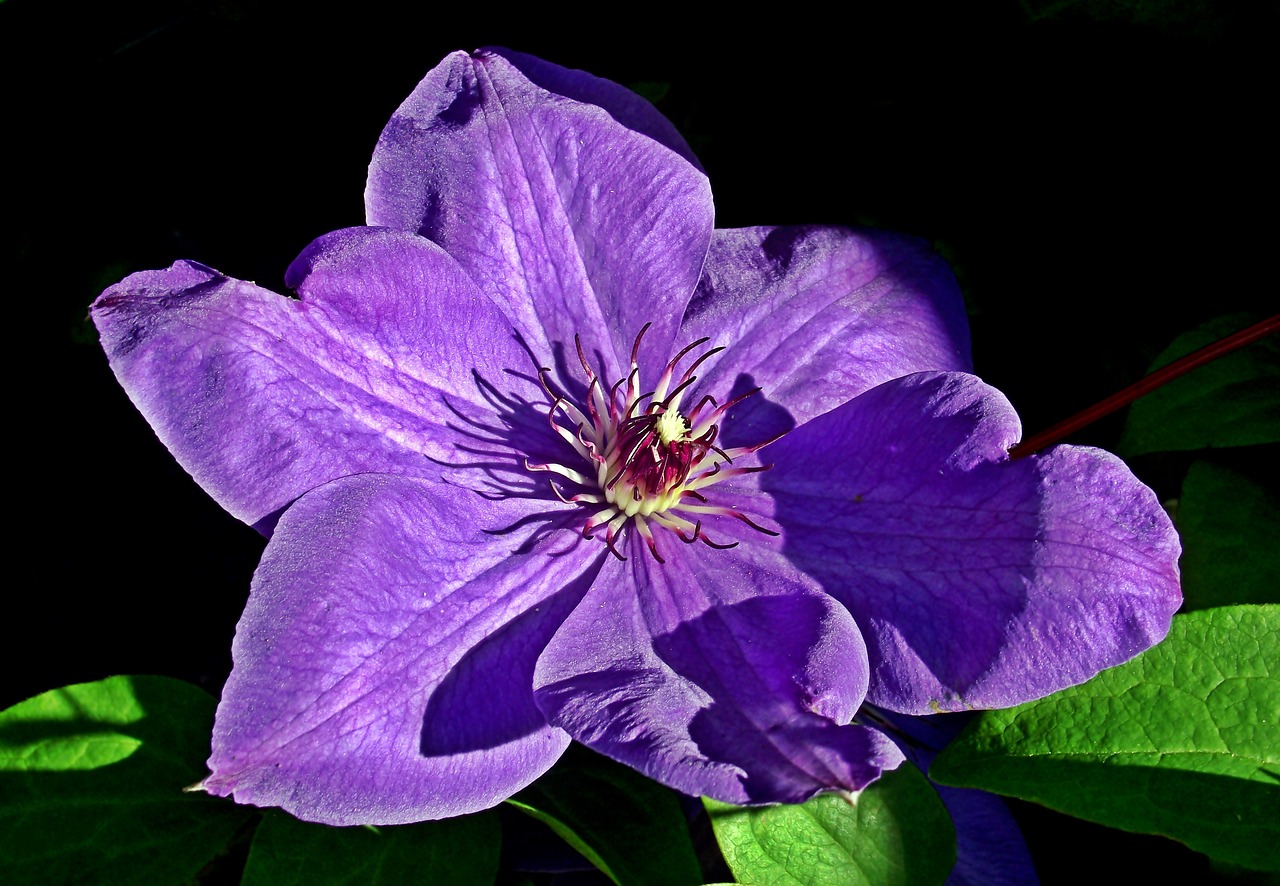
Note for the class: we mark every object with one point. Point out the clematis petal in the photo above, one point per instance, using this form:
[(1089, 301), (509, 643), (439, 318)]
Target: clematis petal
[(816, 315), (625, 106), (978, 582), (722, 673), (564, 216), (383, 665), (262, 397)]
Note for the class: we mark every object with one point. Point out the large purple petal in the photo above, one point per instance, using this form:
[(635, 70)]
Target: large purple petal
[(263, 397), (721, 673), (563, 215), (816, 315), (978, 582), (383, 665), (629, 109)]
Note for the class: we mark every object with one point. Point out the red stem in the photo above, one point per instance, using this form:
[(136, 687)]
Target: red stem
[(1161, 376)]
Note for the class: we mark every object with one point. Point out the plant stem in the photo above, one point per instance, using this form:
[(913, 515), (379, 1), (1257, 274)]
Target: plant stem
[(1161, 376)]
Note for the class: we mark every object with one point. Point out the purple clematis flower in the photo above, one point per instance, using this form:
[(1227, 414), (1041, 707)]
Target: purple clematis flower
[(543, 456)]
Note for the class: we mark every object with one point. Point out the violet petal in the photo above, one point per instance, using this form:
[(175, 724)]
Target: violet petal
[(383, 664), (631, 110), (262, 397), (721, 673), (990, 848), (978, 582), (816, 315), (560, 213)]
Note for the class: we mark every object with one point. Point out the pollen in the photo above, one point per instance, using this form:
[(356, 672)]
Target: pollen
[(642, 461), (672, 427)]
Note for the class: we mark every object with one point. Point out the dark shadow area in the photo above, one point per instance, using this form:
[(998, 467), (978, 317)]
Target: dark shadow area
[(750, 657), (754, 420), (487, 698)]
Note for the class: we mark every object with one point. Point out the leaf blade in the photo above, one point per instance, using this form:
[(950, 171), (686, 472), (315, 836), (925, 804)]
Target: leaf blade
[(628, 826), (897, 832), (451, 852), (91, 779), (1228, 402), (1228, 526), (1182, 741)]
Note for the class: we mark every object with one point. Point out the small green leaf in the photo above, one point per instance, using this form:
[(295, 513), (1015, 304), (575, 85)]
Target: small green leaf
[(1182, 741), (898, 832), (1229, 527), (628, 826), (91, 780), (1231, 401), (452, 852)]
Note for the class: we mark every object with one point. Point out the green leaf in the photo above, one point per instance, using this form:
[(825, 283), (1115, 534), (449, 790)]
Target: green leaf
[(628, 826), (1229, 527), (1182, 741), (91, 785), (898, 832), (1231, 401), (452, 852)]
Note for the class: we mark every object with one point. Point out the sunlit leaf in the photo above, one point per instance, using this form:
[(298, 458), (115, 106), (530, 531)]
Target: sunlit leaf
[(1182, 741), (896, 833), (91, 785)]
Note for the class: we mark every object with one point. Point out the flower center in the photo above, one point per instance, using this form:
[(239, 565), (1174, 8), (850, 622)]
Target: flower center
[(643, 461)]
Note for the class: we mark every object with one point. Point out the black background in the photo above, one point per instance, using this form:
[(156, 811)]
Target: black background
[(1101, 175)]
